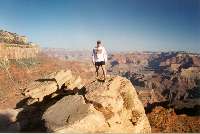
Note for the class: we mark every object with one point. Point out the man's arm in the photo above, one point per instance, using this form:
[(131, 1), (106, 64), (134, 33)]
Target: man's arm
[(105, 55)]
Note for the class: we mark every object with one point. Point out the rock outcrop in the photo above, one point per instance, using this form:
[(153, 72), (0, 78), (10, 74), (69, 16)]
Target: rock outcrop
[(110, 107), (12, 38), (14, 46), (168, 121), (51, 83)]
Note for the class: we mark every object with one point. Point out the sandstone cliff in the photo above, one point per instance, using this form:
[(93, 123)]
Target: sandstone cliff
[(14, 46)]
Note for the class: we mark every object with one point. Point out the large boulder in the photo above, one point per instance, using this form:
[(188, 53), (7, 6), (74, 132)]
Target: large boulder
[(72, 114), (111, 106)]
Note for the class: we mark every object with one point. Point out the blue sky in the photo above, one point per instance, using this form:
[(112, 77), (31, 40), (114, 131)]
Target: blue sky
[(121, 24)]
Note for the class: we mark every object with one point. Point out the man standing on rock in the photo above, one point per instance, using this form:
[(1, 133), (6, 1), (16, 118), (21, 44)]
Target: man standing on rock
[(99, 58)]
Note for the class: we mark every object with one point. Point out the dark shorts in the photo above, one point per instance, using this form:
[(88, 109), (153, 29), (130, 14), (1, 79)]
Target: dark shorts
[(100, 63)]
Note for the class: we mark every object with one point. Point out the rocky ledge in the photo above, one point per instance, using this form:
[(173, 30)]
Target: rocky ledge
[(99, 107)]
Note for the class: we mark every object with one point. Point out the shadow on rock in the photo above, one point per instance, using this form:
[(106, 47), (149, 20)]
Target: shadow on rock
[(190, 111), (8, 121), (30, 118), (150, 107)]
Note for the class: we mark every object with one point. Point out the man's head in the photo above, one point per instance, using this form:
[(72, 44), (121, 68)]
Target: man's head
[(98, 43)]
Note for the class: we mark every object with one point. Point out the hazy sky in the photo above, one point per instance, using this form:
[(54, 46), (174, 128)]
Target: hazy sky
[(120, 24)]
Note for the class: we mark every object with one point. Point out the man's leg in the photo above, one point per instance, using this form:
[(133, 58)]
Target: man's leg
[(97, 71), (104, 71)]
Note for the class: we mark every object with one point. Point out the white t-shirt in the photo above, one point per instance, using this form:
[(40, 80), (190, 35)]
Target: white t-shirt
[(99, 54)]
